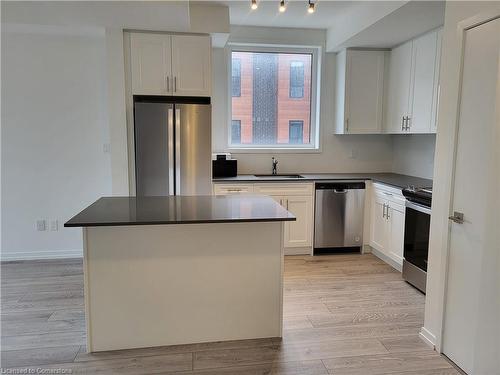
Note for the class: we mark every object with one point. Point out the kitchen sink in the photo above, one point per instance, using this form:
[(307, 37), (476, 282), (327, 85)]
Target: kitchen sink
[(278, 176)]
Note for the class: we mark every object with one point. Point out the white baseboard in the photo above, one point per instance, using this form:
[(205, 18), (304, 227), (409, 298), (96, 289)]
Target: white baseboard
[(298, 251), (388, 260), (428, 337), (32, 255)]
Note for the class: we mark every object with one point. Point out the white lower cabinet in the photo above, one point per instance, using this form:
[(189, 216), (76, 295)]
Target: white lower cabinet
[(379, 232), (299, 233), (387, 223), (296, 198)]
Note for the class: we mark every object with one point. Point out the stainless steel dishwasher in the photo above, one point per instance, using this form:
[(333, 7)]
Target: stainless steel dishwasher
[(339, 216)]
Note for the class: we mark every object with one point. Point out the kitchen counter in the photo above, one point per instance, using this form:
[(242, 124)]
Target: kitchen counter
[(393, 179), (181, 270), (116, 211)]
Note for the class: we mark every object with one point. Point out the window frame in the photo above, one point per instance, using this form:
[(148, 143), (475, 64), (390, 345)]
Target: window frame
[(239, 88), (294, 122), (303, 81), (239, 125), (316, 53)]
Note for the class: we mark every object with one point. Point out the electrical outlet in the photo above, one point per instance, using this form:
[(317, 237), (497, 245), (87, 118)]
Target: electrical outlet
[(106, 148), (41, 225), (54, 225)]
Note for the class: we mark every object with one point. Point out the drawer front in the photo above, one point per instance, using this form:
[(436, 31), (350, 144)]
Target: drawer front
[(284, 189), (224, 189), (390, 193)]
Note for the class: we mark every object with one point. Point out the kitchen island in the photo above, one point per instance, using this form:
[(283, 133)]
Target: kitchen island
[(181, 269)]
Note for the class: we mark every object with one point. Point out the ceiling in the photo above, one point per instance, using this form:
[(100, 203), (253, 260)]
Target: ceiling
[(380, 24), (296, 15)]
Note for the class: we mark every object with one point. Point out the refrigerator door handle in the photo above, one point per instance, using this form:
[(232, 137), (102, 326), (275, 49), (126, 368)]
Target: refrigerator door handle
[(170, 142), (177, 151)]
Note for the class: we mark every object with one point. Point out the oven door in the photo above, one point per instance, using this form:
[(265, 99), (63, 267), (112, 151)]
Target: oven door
[(416, 242)]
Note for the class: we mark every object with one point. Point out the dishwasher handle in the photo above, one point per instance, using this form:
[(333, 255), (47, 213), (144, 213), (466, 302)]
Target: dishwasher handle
[(340, 191)]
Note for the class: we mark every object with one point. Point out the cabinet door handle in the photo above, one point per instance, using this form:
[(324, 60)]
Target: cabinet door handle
[(175, 84), (403, 123), (168, 83), (387, 212), (383, 211), (234, 190), (408, 123), (347, 125)]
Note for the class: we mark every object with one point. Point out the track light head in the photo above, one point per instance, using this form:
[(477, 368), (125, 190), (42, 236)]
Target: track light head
[(282, 6), (311, 7), (254, 5)]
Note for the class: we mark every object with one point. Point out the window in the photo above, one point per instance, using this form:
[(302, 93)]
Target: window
[(296, 79), (295, 131), (235, 132), (273, 98), (236, 78)]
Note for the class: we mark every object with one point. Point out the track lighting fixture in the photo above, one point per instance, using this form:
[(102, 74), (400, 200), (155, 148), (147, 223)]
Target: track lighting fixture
[(311, 7), (282, 6)]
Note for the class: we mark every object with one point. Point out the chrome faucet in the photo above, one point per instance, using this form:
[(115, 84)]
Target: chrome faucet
[(275, 166)]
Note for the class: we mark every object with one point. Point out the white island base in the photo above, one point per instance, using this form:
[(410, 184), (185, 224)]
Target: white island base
[(155, 285)]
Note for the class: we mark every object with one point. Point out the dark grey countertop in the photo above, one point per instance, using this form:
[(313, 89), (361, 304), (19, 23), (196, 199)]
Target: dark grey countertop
[(393, 179), (114, 211)]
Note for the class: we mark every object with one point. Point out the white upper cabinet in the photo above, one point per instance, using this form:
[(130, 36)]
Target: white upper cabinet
[(424, 66), (164, 64), (360, 91), (413, 86), (151, 64), (399, 81), (191, 65)]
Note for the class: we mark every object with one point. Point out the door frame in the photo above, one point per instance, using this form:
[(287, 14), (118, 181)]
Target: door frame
[(442, 287)]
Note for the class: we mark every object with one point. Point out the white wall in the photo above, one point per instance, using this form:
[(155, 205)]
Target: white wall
[(456, 11), (414, 154), (339, 153), (54, 125)]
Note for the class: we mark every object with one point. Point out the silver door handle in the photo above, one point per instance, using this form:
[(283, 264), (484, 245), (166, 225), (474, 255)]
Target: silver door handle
[(347, 125), (458, 217), (387, 211), (175, 84), (177, 151), (340, 191), (408, 125), (403, 123), (168, 83), (170, 142), (383, 211)]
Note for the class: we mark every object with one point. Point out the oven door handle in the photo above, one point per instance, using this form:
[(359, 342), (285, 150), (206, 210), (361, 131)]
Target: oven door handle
[(418, 207)]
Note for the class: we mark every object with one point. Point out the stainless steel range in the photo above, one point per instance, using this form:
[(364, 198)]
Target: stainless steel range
[(416, 239)]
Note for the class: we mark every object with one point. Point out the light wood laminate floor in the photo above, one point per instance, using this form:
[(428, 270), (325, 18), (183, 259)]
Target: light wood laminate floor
[(343, 314)]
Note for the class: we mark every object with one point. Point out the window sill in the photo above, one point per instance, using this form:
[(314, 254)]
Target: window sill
[(280, 150)]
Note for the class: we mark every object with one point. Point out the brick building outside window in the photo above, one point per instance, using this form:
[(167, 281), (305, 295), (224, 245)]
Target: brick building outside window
[(271, 98)]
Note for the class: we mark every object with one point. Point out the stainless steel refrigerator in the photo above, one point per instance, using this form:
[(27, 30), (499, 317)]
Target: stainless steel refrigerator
[(172, 146)]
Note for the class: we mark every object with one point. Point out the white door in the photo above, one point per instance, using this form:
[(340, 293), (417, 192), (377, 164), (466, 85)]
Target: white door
[(398, 87), (396, 216), (364, 91), (191, 65), (424, 64), (379, 227), (299, 233), (471, 322), (151, 64)]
